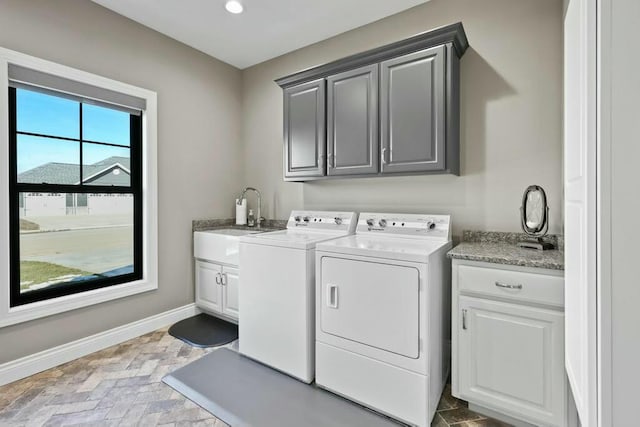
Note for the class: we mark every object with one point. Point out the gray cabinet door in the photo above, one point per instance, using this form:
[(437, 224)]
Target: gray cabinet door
[(352, 122), (412, 112), (304, 130)]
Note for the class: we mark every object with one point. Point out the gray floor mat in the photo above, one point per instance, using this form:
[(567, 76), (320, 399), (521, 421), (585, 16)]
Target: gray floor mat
[(204, 331), (242, 393)]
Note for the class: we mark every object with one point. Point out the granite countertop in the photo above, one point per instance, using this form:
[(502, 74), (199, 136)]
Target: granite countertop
[(218, 223), (501, 248)]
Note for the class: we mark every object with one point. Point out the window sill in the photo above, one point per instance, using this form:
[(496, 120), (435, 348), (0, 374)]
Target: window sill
[(53, 306)]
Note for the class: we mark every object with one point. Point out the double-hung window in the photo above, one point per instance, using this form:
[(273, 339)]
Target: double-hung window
[(75, 194), (79, 191)]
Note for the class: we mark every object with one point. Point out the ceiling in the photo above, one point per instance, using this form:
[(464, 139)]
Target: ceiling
[(266, 29)]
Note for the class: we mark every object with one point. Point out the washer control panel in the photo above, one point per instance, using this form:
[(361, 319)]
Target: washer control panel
[(323, 220), (405, 225)]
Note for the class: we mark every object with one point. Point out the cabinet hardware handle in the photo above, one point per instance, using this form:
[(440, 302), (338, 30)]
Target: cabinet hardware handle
[(508, 286), (384, 155), (223, 279), (332, 296), (218, 279), (464, 319), (331, 160)]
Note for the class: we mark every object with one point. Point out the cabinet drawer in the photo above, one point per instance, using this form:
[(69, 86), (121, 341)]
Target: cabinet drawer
[(512, 285)]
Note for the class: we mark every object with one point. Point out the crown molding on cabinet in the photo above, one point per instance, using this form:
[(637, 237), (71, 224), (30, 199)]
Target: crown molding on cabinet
[(453, 33)]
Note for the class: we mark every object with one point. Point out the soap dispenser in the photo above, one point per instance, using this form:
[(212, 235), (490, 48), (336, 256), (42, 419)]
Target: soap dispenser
[(251, 219)]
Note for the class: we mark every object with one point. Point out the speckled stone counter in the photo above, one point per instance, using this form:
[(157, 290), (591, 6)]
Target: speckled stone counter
[(501, 248), (212, 224)]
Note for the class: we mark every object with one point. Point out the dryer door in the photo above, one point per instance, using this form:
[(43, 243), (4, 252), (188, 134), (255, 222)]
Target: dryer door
[(371, 303)]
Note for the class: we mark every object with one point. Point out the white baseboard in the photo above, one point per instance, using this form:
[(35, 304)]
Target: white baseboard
[(47, 359)]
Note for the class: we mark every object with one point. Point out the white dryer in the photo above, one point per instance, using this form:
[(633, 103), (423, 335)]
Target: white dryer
[(277, 290), (383, 314)]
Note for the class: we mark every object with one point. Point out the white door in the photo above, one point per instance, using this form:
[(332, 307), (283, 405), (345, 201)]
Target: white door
[(372, 303), (208, 286), (231, 288), (510, 358), (580, 118)]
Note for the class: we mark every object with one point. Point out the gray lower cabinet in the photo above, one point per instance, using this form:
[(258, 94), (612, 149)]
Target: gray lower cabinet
[(304, 130), (352, 122), (412, 112)]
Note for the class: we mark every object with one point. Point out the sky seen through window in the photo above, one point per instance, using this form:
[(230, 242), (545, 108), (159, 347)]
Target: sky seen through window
[(43, 114)]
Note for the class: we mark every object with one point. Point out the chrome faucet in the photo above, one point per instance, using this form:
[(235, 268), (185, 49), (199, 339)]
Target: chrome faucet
[(259, 220)]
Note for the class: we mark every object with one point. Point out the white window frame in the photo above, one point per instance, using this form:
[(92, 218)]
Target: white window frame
[(13, 315)]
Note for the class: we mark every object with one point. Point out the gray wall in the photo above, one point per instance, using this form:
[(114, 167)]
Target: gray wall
[(511, 125), (619, 197), (219, 127), (199, 159)]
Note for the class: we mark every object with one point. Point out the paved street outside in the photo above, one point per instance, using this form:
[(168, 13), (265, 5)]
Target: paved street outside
[(95, 250), (91, 243), (71, 222)]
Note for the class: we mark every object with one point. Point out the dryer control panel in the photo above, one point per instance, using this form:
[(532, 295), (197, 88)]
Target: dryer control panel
[(405, 225), (323, 220)]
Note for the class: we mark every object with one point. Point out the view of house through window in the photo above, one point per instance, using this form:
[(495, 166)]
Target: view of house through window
[(75, 194)]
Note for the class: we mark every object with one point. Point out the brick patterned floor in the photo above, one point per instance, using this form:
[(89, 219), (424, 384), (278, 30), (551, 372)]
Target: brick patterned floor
[(121, 386), (454, 412)]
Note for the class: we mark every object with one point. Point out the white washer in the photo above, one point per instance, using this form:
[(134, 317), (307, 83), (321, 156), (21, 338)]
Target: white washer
[(383, 314), (277, 290)]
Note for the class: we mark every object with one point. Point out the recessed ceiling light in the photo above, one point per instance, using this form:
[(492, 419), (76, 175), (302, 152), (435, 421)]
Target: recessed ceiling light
[(234, 6)]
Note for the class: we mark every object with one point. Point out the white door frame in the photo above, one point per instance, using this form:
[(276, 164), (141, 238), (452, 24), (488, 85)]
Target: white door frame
[(603, 209), (591, 377), (618, 292), (580, 175)]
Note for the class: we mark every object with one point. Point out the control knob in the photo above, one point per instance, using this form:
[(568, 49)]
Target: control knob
[(382, 223), (306, 219), (297, 218), (338, 220), (370, 222)]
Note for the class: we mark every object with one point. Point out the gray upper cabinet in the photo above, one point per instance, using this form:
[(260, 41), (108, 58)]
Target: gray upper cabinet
[(391, 110), (412, 112), (352, 122), (304, 130)]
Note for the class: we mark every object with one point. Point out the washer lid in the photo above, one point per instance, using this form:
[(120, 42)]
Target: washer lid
[(295, 239), (395, 248)]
